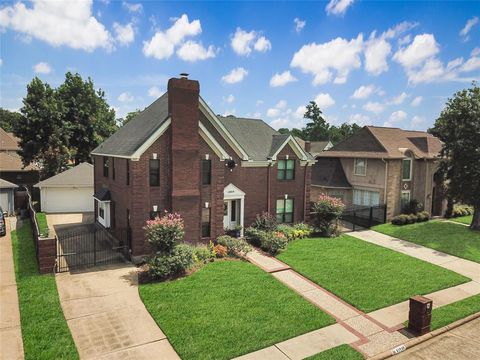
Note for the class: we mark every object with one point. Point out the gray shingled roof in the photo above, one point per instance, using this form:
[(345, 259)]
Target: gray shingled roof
[(126, 140), (329, 173), (77, 176)]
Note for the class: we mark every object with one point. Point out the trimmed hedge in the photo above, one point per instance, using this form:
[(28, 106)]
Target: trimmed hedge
[(405, 219)]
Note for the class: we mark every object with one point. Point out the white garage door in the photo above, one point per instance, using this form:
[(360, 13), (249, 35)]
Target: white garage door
[(55, 200)]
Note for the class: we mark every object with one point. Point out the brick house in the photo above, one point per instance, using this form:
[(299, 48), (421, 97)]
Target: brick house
[(217, 172), (380, 165)]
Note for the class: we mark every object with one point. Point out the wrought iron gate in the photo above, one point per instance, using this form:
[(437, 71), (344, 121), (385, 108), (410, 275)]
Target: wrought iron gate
[(90, 245), (365, 216)]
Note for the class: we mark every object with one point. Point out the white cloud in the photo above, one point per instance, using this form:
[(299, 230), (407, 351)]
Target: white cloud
[(278, 109), (300, 112), (229, 99), (125, 97), (363, 92), (376, 53), (1, 62), (193, 51), (404, 40), (475, 51), (422, 48), (155, 92), (417, 101), (282, 104), (163, 44), (468, 26), (324, 101), (374, 107), (58, 23), (42, 68), (471, 64), (262, 44), (244, 42), (272, 112), (124, 34), (359, 119), (133, 7), (338, 7), (235, 76), (282, 79), (334, 58), (299, 24), (397, 100), (395, 118), (417, 122)]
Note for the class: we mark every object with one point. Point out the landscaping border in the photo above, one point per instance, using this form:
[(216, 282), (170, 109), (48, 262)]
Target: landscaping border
[(418, 340)]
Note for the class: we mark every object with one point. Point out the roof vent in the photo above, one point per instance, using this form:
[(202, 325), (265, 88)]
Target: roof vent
[(184, 76)]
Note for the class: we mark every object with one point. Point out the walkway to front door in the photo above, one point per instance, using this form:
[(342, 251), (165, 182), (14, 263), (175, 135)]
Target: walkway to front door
[(107, 318)]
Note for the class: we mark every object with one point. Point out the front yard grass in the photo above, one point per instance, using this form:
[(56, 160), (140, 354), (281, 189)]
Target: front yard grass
[(453, 239), (342, 352), (450, 313), (365, 275), (228, 308), (45, 331), (467, 220)]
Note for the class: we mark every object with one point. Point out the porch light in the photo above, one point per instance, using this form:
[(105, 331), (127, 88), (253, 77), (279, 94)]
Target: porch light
[(207, 156), (154, 156), (286, 156), (286, 196), (155, 208), (207, 204)]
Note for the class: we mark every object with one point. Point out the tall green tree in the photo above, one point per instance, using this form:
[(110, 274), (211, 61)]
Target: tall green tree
[(86, 115), (459, 128), (9, 119), (342, 132), (41, 137), (128, 117), (317, 129)]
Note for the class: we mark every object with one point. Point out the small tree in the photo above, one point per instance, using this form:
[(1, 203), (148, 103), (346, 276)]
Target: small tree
[(164, 232), (327, 210), (459, 128)]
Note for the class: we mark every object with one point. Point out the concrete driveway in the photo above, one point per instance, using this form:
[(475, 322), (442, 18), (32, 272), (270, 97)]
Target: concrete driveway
[(107, 318), (58, 222), (462, 343)]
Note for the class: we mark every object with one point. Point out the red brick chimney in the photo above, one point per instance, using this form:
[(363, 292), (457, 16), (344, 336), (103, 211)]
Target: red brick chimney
[(307, 146), (183, 98)]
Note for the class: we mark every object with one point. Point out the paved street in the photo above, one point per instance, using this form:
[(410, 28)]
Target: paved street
[(462, 343)]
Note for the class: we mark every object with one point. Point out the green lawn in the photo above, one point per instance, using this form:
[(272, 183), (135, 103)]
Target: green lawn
[(42, 223), (227, 309), (365, 275), (450, 313), (44, 330), (446, 237), (342, 352), (463, 219)]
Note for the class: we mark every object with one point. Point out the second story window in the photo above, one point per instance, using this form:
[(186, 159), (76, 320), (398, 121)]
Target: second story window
[(286, 169), (105, 166), (206, 172), (407, 169), (360, 167), (128, 172), (113, 168), (154, 171)]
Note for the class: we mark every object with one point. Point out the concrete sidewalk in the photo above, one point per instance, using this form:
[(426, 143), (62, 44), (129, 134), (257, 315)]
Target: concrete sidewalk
[(462, 343), (107, 318), (11, 344)]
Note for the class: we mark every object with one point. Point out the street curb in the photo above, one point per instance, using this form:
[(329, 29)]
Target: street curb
[(416, 341)]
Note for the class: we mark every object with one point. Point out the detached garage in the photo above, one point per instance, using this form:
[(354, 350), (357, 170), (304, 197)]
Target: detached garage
[(7, 196), (68, 192)]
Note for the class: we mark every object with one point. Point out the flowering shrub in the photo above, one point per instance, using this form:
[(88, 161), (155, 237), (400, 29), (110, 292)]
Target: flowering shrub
[(326, 212), (220, 251), (203, 254), (235, 246), (164, 232), (175, 263), (298, 231)]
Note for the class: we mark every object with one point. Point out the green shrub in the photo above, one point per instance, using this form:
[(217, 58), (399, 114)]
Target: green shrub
[(304, 227), (164, 232), (265, 221), (412, 207), (273, 242), (235, 246), (164, 266), (462, 210), (326, 212), (423, 216), (400, 219), (203, 254), (294, 232), (411, 218), (254, 235)]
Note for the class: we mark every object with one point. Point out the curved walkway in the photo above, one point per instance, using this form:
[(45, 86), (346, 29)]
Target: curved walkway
[(107, 318)]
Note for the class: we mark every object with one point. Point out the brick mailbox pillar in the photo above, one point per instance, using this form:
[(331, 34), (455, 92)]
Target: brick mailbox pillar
[(420, 315)]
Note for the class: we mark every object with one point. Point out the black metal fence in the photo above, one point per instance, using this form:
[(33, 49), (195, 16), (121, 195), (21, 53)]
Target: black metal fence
[(365, 216), (90, 245)]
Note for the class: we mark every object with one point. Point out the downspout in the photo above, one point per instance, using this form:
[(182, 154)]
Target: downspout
[(268, 184), (426, 184), (305, 192), (385, 189)]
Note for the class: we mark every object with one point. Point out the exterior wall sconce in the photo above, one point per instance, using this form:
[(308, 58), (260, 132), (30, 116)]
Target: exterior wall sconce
[(207, 156), (207, 205), (154, 156), (286, 196), (155, 208), (286, 157)]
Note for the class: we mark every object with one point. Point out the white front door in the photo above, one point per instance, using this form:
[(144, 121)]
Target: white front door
[(230, 214)]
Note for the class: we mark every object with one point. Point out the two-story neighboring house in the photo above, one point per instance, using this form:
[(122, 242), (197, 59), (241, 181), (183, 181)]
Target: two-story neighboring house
[(217, 172), (380, 165)]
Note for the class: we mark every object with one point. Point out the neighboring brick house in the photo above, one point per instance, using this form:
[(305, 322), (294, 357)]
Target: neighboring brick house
[(380, 165), (217, 172)]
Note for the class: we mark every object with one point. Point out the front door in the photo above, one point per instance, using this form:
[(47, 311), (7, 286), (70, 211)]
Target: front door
[(230, 214)]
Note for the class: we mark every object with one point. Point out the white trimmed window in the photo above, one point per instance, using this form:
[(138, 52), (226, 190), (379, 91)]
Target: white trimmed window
[(366, 198), (360, 166), (407, 169)]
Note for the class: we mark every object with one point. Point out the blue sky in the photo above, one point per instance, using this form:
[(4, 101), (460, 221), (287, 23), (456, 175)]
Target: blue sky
[(383, 63)]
